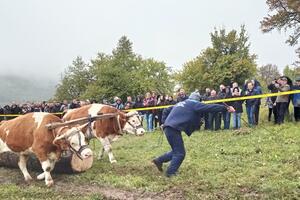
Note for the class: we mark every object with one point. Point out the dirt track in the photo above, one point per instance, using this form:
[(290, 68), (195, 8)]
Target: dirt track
[(14, 176)]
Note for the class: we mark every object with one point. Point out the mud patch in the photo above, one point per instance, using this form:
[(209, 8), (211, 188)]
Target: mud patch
[(14, 176)]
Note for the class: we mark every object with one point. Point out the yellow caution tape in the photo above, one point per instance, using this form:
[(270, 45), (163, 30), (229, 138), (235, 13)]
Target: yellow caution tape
[(206, 102), (223, 100)]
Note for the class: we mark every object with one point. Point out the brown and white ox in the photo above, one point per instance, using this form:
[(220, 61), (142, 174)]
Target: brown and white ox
[(106, 130), (28, 134)]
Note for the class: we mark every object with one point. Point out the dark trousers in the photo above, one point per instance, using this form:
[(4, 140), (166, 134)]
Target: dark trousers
[(275, 114), (270, 114), (206, 122), (214, 121), (256, 114), (297, 114), (281, 110), (177, 154), (226, 118)]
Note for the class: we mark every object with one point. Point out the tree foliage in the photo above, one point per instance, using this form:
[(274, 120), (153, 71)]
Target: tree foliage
[(291, 72), (267, 73), (75, 80), (121, 73), (285, 15), (227, 60)]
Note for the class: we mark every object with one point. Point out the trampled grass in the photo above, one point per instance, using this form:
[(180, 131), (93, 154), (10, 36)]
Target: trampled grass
[(258, 163)]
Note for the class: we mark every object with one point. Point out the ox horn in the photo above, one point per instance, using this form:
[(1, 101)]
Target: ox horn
[(131, 113)]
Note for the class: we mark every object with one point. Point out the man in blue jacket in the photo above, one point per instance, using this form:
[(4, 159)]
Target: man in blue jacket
[(184, 116), (296, 100)]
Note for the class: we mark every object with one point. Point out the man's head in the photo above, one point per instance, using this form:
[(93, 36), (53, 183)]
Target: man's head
[(283, 80), (195, 96), (222, 87), (250, 85), (297, 81), (213, 93), (235, 84), (181, 91), (129, 99), (207, 90)]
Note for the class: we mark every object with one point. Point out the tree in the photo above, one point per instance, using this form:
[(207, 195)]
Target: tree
[(267, 73), (74, 81), (285, 15), (226, 61), (291, 72), (124, 73)]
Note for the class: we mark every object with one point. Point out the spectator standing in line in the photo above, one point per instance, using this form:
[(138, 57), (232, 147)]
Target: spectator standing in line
[(257, 87), (214, 119), (238, 106), (205, 97), (274, 89), (225, 93), (296, 100), (74, 104), (269, 103), (182, 95), (282, 101), (170, 100), (251, 103), (64, 106), (149, 102), (129, 103), (118, 103), (161, 102)]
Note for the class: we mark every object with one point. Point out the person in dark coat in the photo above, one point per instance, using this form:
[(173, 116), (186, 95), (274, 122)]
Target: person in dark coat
[(214, 118), (205, 97), (251, 104), (296, 100), (238, 106), (184, 116), (273, 89)]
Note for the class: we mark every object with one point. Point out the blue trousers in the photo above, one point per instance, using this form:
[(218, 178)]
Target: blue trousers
[(250, 114), (149, 121), (237, 120), (226, 119), (177, 154)]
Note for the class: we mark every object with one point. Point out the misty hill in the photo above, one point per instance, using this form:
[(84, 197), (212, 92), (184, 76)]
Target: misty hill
[(22, 89)]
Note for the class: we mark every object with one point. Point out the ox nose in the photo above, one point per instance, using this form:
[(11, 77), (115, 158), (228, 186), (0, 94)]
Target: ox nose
[(87, 153)]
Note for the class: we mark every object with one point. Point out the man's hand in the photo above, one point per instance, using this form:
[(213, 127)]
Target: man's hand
[(230, 109)]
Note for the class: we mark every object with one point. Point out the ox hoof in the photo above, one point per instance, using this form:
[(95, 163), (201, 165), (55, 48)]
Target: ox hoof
[(49, 183), (113, 161), (28, 179), (41, 176)]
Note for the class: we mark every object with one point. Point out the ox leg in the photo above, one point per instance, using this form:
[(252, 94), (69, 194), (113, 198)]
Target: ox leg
[(52, 161), (107, 148), (22, 165), (101, 153), (47, 165)]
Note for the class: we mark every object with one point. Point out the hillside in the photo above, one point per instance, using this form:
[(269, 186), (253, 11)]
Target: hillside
[(20, 89)]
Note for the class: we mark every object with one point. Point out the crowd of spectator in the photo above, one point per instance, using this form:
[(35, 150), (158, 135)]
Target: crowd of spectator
[(277, 105)]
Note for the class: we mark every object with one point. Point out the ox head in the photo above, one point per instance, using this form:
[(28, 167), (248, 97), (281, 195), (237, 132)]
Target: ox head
[(134, 124), (74, 139)]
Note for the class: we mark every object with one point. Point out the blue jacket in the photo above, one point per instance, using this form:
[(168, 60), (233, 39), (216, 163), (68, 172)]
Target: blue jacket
[(185, 116), (296, 97), (252, 102)]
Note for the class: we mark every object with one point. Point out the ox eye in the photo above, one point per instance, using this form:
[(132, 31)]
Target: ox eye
[(72, 143)]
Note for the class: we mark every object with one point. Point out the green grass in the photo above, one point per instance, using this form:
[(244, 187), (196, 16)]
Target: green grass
[(255, 164)]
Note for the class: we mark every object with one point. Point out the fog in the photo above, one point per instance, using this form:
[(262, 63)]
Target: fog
[(39, 39)]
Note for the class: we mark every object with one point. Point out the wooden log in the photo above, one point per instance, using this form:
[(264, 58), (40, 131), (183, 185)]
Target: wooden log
[(68, 164)]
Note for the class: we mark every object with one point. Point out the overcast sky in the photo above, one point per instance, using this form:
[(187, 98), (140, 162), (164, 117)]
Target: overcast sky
[(42, 38)]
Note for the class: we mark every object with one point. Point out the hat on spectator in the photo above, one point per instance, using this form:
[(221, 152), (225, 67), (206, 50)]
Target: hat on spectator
[(195, 96)]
